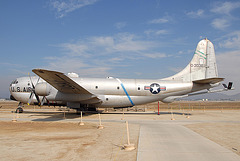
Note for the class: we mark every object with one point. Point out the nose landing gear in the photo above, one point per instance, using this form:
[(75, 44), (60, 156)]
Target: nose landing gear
[(19, 109)]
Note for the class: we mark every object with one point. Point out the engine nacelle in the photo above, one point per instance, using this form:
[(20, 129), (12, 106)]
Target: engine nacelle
[(42, 89)]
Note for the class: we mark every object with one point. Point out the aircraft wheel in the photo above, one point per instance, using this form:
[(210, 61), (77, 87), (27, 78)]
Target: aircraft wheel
[(19, 110), (92, 109)]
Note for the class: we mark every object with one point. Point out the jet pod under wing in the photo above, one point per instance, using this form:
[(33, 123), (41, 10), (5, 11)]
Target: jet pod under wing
[(60, 81)]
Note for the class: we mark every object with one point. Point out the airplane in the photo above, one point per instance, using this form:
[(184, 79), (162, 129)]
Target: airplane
[(87, 94)]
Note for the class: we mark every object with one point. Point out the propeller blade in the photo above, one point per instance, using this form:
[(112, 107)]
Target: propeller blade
[(30, 98), (39, 103), (224, 85), (43, 100), (230, 85), (31, 81), (33, 91)]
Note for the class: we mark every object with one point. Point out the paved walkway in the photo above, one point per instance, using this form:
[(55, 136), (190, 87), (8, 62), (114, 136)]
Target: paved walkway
[(170, 141)]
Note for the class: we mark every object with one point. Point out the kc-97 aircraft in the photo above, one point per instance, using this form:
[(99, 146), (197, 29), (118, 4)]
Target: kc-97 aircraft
[(52, 87)]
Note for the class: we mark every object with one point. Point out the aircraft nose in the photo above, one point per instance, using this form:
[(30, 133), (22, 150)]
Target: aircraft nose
[(13, 83), (12, 98), (12, 86)]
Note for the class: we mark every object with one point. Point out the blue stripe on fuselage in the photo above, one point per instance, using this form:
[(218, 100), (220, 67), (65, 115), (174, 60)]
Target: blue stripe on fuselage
[(127, 94)]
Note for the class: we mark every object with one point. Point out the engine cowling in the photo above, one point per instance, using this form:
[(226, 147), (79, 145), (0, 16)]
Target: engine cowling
[(42, 89)]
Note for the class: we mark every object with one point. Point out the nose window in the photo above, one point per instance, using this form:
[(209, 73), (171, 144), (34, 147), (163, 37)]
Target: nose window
[(14, 82)]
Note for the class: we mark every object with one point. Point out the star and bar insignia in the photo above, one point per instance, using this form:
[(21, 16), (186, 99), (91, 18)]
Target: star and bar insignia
[(155, 88)]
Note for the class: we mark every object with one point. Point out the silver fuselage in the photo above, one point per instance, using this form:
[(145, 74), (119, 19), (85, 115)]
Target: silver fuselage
[(111, 91)]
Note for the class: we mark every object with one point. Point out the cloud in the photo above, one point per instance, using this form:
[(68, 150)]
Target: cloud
[(119, 43), (62, 8), (155, 55), (229, 57), (228, 63), (75, 64), (231, 40), (225, 7), (120, 25), (159, 21), (156, 32), (195, 14), (98, 55), (104, 45), (224, 10), (220, 23), (77, 49)]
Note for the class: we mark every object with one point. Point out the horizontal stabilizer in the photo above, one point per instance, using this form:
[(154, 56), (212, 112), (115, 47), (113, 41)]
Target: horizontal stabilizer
[(208, 80)]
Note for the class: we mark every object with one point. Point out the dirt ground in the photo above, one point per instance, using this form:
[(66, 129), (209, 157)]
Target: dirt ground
[(225, 134), (43, 134), (65, 141)]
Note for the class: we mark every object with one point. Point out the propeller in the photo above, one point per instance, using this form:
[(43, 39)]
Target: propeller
[(229, 87), (43, 101), (33, 92)]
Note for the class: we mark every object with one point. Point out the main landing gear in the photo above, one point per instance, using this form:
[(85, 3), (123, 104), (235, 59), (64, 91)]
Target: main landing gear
[(85, 109)]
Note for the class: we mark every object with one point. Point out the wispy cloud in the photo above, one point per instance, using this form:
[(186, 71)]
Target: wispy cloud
[(77, 49), (195, 14), (220, 23), (104, 45), (62, 8), (155, 55), (231, 41), (228, 57), (223, 11), (228, 63), (159, 20), (75, 64), (120, 25), (225, 7), (156, 32), (98, 55)]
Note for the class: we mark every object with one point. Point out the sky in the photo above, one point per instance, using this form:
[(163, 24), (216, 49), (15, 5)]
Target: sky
[(147, 39)]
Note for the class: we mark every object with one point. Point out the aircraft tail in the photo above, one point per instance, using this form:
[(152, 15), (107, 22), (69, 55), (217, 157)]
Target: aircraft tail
[(203, 65)]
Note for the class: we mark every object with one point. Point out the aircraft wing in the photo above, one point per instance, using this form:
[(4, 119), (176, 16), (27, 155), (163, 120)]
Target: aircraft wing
[(60, 81)]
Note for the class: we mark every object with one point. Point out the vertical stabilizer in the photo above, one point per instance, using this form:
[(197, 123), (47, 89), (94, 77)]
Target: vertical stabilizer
[(202, 66)]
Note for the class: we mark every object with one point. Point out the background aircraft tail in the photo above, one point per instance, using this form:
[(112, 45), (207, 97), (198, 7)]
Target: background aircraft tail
[(202, 66)]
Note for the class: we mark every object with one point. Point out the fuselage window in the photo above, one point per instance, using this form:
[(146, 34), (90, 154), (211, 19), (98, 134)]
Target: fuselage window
[(117, 87), (96, 87), (139, 88)]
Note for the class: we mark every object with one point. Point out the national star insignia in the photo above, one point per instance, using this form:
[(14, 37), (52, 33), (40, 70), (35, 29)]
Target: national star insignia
[(155, 88)]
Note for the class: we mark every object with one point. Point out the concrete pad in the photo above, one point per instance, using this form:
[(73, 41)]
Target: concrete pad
[(173, 142)]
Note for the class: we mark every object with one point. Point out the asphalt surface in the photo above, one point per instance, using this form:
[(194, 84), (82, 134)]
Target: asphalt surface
[(171, 141)]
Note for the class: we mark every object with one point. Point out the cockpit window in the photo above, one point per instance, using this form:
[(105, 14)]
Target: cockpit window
[(14, 82)]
